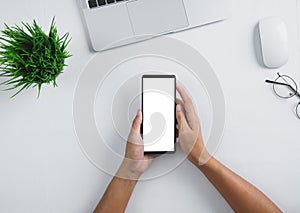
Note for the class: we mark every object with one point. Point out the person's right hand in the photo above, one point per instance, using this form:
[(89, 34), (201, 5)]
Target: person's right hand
[(190, 136)]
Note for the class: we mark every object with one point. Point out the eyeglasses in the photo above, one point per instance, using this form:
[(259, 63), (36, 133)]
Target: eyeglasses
[(285, 87)]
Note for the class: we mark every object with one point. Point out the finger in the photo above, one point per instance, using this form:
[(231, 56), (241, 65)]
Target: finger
[(183, 94), (136, 124), (182, 123), (152, 156), (180, 102), (191, 116), (188, 110)]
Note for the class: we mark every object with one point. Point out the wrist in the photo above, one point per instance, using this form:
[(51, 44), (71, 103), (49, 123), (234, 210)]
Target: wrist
[(199, 156), (128, 171)]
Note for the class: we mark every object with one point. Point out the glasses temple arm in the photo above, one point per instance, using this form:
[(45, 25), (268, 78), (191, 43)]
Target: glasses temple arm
[(279, 83), (275, 82)]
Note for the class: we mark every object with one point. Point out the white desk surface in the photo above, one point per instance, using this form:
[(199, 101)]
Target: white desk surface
[(44, 170)]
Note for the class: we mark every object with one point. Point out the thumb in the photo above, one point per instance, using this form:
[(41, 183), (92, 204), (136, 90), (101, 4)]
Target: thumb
[(136, 125), (180, 117)]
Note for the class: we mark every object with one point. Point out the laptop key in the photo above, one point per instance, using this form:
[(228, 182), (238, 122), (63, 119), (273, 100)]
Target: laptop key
[(101, 2), (92, 3), (110, 1)]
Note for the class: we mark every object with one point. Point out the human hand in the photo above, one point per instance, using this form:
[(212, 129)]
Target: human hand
[(190, 135), (135, 163)]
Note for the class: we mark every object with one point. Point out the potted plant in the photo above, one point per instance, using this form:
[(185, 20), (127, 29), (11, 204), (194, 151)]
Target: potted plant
[(30, 58)]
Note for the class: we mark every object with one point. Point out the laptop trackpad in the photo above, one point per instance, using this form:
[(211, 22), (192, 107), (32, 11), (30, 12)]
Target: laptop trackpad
[(152, 17)]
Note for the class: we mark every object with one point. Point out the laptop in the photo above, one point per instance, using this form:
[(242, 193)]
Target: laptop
[(114, 23)]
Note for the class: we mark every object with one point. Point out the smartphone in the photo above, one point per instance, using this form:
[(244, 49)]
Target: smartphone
[(158, 128)]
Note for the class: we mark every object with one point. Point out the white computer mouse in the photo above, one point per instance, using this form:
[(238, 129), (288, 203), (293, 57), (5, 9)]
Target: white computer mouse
[(274, 42)]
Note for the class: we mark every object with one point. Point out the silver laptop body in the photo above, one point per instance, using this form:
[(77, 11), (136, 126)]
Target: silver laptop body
[(114, 23)]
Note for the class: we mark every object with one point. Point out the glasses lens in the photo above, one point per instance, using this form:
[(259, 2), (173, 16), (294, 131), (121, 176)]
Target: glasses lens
[(287, 87), (298, 110)]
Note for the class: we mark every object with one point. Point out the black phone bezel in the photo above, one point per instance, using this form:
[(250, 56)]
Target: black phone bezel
[(175, 120)]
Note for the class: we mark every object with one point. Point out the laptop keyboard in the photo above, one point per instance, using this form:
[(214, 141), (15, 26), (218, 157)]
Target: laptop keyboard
[(101, 3)]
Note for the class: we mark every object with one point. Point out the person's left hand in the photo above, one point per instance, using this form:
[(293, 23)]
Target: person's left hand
[(135, 163)]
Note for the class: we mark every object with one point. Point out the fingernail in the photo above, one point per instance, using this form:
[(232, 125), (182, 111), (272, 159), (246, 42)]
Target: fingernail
[(178, 107), (139, 113)]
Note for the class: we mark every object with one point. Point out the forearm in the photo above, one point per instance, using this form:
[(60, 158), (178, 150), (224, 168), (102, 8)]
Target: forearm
[(240, 195), (117, 194)]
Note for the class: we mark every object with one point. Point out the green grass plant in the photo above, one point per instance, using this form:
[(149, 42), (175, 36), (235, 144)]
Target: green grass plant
[(30, 58)]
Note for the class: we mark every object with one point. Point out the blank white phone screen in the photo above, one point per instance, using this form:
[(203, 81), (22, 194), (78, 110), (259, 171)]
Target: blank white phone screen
[(159, 114)]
